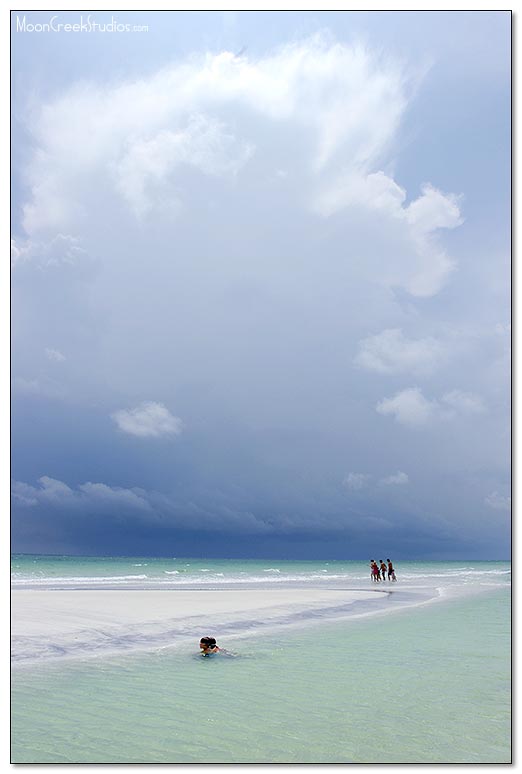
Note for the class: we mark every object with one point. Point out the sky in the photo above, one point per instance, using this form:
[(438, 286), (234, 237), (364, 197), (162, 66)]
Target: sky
[(260, 284)]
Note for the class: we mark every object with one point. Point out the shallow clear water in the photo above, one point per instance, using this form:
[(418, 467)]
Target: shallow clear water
[(425, 684), (71, 572)]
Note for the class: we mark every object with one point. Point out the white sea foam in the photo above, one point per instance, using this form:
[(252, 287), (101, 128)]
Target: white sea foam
[(177, 578), (88, 580), (235, 575)]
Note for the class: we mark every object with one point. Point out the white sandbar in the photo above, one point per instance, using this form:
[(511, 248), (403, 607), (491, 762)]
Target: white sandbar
[(57, 623)]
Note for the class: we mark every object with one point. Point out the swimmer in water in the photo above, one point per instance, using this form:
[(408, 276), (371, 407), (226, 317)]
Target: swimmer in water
[(208, 646)]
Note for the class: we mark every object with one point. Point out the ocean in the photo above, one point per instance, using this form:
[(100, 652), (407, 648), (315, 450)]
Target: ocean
[(423, 676)]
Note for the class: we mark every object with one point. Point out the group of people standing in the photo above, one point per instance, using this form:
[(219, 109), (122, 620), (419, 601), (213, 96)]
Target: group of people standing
[(379, 571)]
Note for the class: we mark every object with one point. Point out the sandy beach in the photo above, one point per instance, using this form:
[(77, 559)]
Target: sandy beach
[(48, 624), (113, 675)]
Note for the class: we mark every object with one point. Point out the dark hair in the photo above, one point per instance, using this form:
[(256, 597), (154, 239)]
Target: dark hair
[(387, 560), (210, 641)]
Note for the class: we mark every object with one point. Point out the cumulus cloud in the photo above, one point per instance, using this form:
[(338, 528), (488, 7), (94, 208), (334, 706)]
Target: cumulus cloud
[(91, 496), (410, 407), (246, 230), (423, 267), (498, 502), (62, 249), (433, 210), (54, 355), (107, 495), (16, 252), (42, 386), (141, 131), (396, 479), (356, 481), (392, 352), (143, 172), (465, 402), (375, 190), (120, 503), (23, 494), (148, 420), (328, 112)]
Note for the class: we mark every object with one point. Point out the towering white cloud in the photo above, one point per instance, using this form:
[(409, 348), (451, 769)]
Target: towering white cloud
[(234, 230), (328, 113), (422, 266), (146, 172), (338, 100)]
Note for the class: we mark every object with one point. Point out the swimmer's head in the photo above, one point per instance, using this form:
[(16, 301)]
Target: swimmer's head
[(206, 643)]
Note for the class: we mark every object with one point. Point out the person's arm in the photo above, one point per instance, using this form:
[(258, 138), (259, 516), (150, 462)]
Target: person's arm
[(228, 653)]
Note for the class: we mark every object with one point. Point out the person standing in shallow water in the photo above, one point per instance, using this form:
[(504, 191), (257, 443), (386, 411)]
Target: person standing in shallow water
[(391, 571), (375, 571), (383, 569)]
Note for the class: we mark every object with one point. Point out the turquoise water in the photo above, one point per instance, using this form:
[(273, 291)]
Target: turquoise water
[(429, 684), (70, 572)]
